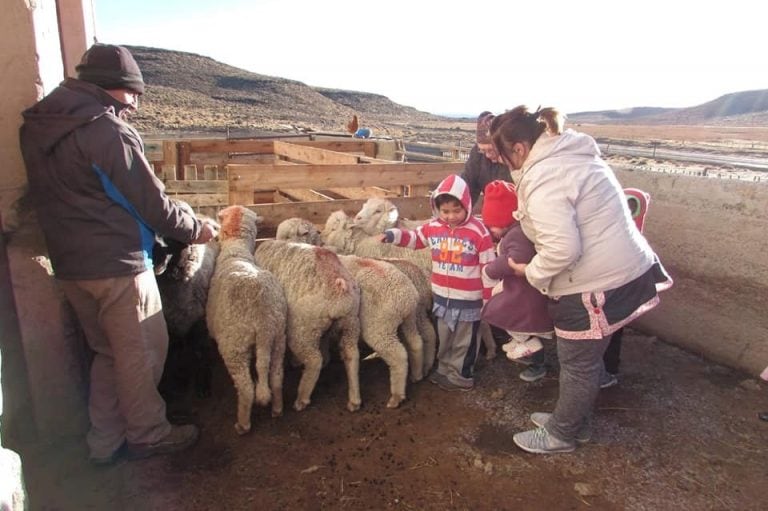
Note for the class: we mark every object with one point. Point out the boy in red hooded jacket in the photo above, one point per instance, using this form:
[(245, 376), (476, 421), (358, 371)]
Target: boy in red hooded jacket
[(461, 246)]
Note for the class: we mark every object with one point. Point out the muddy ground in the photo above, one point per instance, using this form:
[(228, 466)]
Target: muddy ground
[(676, 433)]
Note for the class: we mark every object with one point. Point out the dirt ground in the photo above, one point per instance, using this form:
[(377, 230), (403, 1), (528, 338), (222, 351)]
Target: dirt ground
[(676, 433)]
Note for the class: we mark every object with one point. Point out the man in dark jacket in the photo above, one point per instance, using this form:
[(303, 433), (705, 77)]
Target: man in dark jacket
[(482, 166), (99, 205)]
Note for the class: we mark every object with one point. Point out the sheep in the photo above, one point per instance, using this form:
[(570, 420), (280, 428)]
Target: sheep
[(379, 214), (350, 237), (347, 238), (388, 301), (419, 281), (246, 314), (320, 292), (423, 309), (183, 273), (298, 230)]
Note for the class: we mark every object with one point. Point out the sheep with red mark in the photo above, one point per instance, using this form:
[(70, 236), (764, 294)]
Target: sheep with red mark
[(320, 293), (246, 314)]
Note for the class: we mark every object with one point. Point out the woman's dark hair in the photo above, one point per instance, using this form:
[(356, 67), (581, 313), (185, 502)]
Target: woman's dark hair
[(522, 125)]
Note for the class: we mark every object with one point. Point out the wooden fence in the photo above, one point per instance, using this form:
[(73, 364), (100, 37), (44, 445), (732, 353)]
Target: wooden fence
[(281, 179)]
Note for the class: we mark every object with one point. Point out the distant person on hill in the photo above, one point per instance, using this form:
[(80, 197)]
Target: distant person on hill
[(483, 166), (99, 205), (591, 261)]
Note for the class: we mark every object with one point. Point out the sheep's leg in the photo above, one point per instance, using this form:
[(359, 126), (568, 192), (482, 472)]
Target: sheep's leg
[(429, 337), (488, 340), (237, 362), (304, 341), (415, 347), (262, 351), (389, 348), (276, 372), (350, 354)]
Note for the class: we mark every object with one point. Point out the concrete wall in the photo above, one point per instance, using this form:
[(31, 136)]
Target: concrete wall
[(711, 236), (46, 383)]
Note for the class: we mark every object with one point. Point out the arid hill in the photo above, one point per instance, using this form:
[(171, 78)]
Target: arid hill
[(193, 93), (748, 108), (189, 92)]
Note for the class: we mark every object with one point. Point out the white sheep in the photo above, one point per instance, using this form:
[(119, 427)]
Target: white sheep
[(320, 292), (351, 237), (388, 302), (379, 214), (344, 236), (298, 230), (423, 310), (246, 314)]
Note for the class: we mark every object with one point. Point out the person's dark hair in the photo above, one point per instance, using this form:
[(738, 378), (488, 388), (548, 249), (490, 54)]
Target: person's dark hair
[(446, 198), (522, 125)]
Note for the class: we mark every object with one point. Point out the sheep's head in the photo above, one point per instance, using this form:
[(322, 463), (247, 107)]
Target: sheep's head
[(338, 231), (300, 230), (238, 222), (376, 216)]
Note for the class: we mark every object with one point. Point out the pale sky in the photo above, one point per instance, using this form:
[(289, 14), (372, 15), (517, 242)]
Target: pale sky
[(463, 57)]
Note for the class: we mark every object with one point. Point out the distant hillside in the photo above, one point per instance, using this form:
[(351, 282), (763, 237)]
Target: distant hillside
[(748, 108), (189, 92)]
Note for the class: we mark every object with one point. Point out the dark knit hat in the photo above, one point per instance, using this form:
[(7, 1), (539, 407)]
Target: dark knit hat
[(499, 202), (110, 67), (483, 127)]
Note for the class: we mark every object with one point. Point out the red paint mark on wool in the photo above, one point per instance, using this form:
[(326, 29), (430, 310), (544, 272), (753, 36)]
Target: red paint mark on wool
[(376, 266), (329, 267), (231, 220)]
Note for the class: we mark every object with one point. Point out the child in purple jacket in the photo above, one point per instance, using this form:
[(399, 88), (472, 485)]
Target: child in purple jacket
[(517, 307)]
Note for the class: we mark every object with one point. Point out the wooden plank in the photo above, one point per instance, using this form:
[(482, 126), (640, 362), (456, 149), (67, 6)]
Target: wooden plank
[(243, 198), (170, 153), (197, 186), (303, 195), (231, 146), (314, 155), (190, 172), (203, 199), (168, 174), (363, 193), (423, 156), (318, 177), (419, 191), (184, 152), (366, 147), (318, 212)]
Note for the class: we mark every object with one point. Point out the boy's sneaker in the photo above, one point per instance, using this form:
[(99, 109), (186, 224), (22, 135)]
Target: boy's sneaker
[(533, 373), (583, 436), (538, 441), (178, 439), (609, 380), (444, 383), (524, 349)]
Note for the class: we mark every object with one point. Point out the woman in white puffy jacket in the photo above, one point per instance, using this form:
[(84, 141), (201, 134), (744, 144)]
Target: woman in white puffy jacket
[(591, 261)]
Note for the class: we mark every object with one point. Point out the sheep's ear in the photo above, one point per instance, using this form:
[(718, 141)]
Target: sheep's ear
[(302, 230), (392, 215)]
